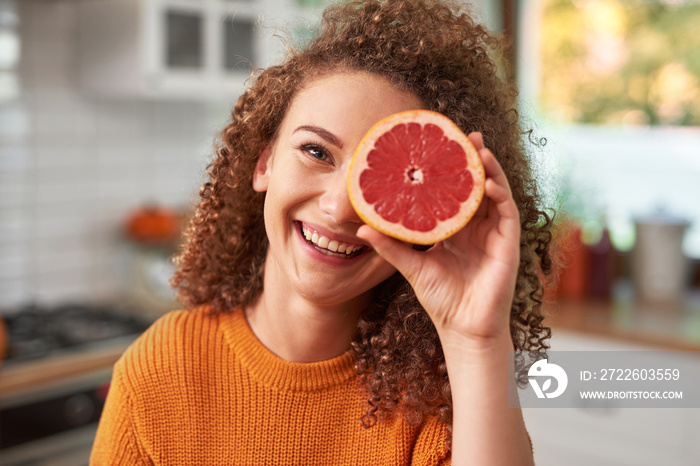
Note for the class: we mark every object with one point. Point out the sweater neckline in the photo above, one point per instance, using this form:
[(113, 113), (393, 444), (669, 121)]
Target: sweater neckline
[(273, 371)]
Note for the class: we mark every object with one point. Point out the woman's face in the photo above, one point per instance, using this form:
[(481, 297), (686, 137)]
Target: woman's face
[(310, 223)]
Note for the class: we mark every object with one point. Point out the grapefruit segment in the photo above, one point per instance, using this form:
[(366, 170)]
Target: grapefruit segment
[(416, 176)]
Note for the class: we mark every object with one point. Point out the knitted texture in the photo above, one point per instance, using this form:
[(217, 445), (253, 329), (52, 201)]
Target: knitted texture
[(196, 389)]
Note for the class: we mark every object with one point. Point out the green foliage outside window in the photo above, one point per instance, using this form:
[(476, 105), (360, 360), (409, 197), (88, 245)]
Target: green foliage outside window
[(631, 62)]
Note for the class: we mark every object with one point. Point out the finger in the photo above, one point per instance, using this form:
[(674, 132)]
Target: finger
[(483, 209), (496, 192), (497, 189), (404, 258), (493, 169), (477, 139)]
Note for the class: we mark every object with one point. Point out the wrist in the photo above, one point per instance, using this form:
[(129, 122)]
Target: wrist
[(472, 351), (456, 340)]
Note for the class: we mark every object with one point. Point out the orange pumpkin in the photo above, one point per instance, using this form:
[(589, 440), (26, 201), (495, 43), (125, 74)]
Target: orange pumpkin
[(153, 224)]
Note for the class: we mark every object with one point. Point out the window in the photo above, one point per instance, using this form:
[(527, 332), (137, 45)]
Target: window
[(621, 62), (614, 87)]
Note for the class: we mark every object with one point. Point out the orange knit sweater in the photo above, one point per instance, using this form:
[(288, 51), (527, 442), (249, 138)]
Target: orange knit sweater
[(202, 390)]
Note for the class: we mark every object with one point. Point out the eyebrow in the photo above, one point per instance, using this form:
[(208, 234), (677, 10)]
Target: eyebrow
[(323, 133)]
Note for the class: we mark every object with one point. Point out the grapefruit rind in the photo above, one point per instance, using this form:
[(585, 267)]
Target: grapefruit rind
[(443, 229)]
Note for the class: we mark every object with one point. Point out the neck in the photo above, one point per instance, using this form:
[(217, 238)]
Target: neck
[(301, 334), (298, 329)]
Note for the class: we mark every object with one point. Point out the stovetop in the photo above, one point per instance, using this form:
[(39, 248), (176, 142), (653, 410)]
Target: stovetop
[(35, 332)]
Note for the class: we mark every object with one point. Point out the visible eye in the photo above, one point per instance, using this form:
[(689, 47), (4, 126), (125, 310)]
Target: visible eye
[(316, 151)]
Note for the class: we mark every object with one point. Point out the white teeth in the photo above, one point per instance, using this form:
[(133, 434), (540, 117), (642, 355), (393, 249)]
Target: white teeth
[(325, 243)]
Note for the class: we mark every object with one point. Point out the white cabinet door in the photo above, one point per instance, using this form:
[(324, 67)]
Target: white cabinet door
[(201, 49)]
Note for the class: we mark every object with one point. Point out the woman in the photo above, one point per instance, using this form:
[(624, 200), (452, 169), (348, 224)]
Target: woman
[(292, 353)]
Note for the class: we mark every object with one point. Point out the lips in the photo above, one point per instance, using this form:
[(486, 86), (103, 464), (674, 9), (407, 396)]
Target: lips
[(330, 245)]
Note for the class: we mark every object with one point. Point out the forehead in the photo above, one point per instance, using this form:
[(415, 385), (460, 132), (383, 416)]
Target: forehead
[(343, 97)]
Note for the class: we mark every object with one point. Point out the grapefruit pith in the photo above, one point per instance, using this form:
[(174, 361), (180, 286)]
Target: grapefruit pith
[(415, 176)]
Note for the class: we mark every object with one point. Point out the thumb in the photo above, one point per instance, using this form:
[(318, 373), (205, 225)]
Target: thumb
[(399, 254)]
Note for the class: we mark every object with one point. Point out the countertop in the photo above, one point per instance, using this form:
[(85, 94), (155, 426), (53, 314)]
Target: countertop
[(22, 378), (668, 326), (622, 318)]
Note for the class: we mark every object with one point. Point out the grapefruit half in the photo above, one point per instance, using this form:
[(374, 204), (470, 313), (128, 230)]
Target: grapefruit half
[(415, 176)]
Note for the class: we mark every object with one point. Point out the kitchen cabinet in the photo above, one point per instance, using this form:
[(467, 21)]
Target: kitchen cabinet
[(201, 49)]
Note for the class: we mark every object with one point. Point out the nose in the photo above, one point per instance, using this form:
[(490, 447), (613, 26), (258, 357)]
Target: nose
[(335, 202)]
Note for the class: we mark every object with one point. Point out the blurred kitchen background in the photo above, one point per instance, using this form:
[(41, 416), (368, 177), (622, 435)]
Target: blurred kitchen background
[(108, 113)]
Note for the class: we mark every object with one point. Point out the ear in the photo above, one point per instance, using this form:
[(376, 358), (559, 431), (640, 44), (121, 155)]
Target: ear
[(261, 175)]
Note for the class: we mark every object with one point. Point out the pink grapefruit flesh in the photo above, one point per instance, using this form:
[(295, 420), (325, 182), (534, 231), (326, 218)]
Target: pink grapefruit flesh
[(416, 176)]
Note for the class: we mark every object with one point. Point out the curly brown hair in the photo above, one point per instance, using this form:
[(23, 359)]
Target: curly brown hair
[(437, 52)]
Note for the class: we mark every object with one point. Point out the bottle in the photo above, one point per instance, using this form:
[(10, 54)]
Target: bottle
[(603, 257), (576, 262)]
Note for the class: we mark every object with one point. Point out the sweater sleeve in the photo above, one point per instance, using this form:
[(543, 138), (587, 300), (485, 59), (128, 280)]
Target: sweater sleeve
[(117, 442)]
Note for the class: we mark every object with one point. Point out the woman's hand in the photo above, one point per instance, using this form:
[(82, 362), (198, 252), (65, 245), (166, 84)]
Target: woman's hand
[(466, 282)]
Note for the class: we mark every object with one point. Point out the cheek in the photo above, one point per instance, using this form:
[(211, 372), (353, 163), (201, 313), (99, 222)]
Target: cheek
[(284, 194), (295, 184)]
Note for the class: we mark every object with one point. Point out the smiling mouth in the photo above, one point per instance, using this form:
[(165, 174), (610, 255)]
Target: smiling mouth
[(329, 246)]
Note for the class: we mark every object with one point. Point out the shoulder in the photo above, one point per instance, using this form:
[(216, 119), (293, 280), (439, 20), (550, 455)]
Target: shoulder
[(172, 330), (174, 343), (176, 323)]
